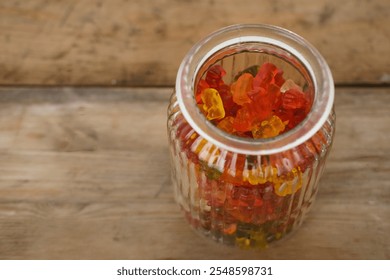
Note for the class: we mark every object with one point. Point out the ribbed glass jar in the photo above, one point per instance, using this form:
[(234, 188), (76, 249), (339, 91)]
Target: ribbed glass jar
[(242, 191)]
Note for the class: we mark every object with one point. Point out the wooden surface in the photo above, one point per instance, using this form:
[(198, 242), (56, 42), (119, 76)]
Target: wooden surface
[(141, 43), (84, 174)]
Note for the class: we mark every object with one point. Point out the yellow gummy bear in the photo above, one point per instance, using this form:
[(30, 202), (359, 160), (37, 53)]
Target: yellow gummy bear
[(289, 183), (212, 104), (268, 128), (243, 242), (260, 175)]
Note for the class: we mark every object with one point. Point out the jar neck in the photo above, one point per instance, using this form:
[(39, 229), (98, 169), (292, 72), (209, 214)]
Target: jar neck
[(268, 40)]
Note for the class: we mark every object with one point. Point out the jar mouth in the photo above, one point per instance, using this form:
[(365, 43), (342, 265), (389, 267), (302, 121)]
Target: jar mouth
[(262, 38)]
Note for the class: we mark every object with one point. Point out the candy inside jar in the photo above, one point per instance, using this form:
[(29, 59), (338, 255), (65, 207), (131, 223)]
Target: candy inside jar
[(245, 168), (258, 103)]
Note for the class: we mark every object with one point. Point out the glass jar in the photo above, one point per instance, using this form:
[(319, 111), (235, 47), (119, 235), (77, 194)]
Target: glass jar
[(241, 191)]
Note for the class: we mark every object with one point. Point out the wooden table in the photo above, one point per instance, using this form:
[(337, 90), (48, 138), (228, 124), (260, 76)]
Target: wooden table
[(84, 174)]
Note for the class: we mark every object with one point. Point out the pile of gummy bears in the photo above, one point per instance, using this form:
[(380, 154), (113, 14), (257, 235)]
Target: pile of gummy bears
[(259, 103)]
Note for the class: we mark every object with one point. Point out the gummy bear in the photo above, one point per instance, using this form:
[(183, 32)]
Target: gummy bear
[(263, 102), (240, 203), (290, 183), (293, 99), (227, 99), (265, 76), (268, 128), (279, 80), (202, 85), (230, 228), (213, 104), (241, 87), (226, 124), (243, 120), (214, 76)]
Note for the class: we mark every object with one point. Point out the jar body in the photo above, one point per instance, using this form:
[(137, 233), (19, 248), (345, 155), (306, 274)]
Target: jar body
[(242, 199), (249, 192)]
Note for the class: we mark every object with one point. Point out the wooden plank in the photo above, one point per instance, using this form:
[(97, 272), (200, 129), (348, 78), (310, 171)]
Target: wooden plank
[(84, 174), (141, 43)]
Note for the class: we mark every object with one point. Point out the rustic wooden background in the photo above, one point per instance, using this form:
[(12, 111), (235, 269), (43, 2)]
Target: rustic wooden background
[(141, 43), (84, 171)]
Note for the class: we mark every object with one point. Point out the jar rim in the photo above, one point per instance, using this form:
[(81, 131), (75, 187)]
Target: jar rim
[(274, 36)]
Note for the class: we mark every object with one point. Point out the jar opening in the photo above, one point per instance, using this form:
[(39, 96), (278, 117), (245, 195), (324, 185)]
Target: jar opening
[(240, 46)]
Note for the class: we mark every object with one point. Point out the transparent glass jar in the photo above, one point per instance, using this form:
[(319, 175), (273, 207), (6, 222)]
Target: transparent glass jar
[(241, 191)]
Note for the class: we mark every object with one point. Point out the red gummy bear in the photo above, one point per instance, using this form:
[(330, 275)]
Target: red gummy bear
[(214, 76), (264, 102), (227, 99), (294, 99), (293, 108), (268, 74), (202, 85)]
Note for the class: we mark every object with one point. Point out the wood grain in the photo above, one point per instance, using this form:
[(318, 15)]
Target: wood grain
[(84, 174), (141, 43)]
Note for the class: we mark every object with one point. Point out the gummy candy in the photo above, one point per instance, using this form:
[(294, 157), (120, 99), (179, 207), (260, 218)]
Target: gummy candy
[(227, 98), (265, 76), (268, 75), (262, 105), (226, 124), (289, 183), (241, 87), (202, 85), (214, 76), (293, 99), (213, 104), (268, 128), (243, 119)]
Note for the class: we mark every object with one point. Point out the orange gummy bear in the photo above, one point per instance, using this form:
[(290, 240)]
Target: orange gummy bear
[(226, 124), (241, 87), (243, 119), (212, 104)]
